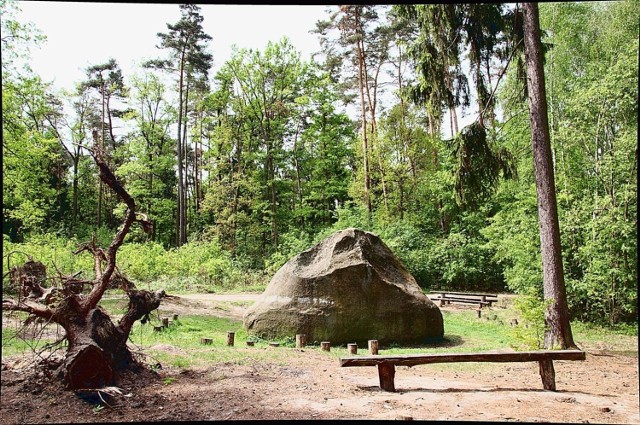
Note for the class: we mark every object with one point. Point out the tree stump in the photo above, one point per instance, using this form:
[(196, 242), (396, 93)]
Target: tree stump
[(352, 348), (274, 344), (165, 322), (88, 366), (325, 346), (300, 340), (230, 337), (158, 328), (373, 346), (206, 341), (250, 343), (175, 317)]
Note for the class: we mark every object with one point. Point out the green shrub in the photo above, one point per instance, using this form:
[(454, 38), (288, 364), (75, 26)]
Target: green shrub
[(531, 329), (54, 252)]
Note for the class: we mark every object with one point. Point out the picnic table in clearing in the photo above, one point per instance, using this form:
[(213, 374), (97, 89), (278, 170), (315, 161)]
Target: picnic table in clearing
[(482, 299)]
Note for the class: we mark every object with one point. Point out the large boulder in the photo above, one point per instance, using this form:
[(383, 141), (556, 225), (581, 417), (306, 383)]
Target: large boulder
[(348, 288)]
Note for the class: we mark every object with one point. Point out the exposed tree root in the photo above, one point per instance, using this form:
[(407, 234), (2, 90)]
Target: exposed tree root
[(97, 349)]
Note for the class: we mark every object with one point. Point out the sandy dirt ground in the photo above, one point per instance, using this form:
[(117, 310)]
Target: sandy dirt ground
[(310, 384)]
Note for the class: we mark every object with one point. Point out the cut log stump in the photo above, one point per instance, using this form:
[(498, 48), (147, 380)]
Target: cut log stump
[(325, 346), (206, 341), (373, 346), (352, 348), (300, 340), (230, 338)]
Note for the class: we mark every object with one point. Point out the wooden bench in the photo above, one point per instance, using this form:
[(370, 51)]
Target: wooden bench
[(386, 364), (448, 300), (466, 297)]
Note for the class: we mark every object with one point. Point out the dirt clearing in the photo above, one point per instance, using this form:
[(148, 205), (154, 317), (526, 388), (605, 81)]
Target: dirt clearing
[(310, 384)]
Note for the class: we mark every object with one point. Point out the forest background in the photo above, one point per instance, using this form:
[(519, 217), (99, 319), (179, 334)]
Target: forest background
[(241, 170)]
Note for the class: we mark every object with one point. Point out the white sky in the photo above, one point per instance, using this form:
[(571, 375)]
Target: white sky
[(80, 34)]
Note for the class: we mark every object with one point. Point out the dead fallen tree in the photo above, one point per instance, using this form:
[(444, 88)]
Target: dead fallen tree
[(97, 349)]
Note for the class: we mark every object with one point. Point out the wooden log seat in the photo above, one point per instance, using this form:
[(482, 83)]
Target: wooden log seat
[(386, 364)]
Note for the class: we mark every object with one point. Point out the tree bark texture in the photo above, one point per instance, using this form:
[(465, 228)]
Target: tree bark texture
[(548, 375), (386, 374), (181, 236), (365, 146), (557, 314)]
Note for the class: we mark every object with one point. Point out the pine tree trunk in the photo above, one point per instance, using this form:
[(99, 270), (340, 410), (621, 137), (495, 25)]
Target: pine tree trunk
[(111, 135), (185, 158), (557, 314), (181, 237), (75, 186), (365, 147), (298, 179), (101, 189)]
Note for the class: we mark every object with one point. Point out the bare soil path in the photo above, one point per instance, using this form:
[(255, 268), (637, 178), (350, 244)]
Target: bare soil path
[(310, 384)]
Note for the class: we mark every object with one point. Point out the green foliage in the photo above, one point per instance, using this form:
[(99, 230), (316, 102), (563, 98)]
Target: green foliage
[(592, 80), (32, 164), (196, 266), (531, 328), (54, 252), (17, 37), (513, 235), (273, 165), (478, 165), (291, 244)]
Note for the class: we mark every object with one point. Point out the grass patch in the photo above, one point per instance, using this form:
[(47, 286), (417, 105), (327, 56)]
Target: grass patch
[(187, 331), (179, 345), (620, 339), (185, 334)]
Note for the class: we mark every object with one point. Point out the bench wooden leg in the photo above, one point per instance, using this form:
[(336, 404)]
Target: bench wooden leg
[(386, 372), (548, 375)]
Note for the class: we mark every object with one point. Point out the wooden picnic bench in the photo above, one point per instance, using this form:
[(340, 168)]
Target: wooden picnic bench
[(481, 299), (386, 364)]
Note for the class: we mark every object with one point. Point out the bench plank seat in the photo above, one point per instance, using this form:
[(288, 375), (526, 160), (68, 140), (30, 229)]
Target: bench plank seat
[(469, 294), (465, 297), (386, 364), (466, 300)]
